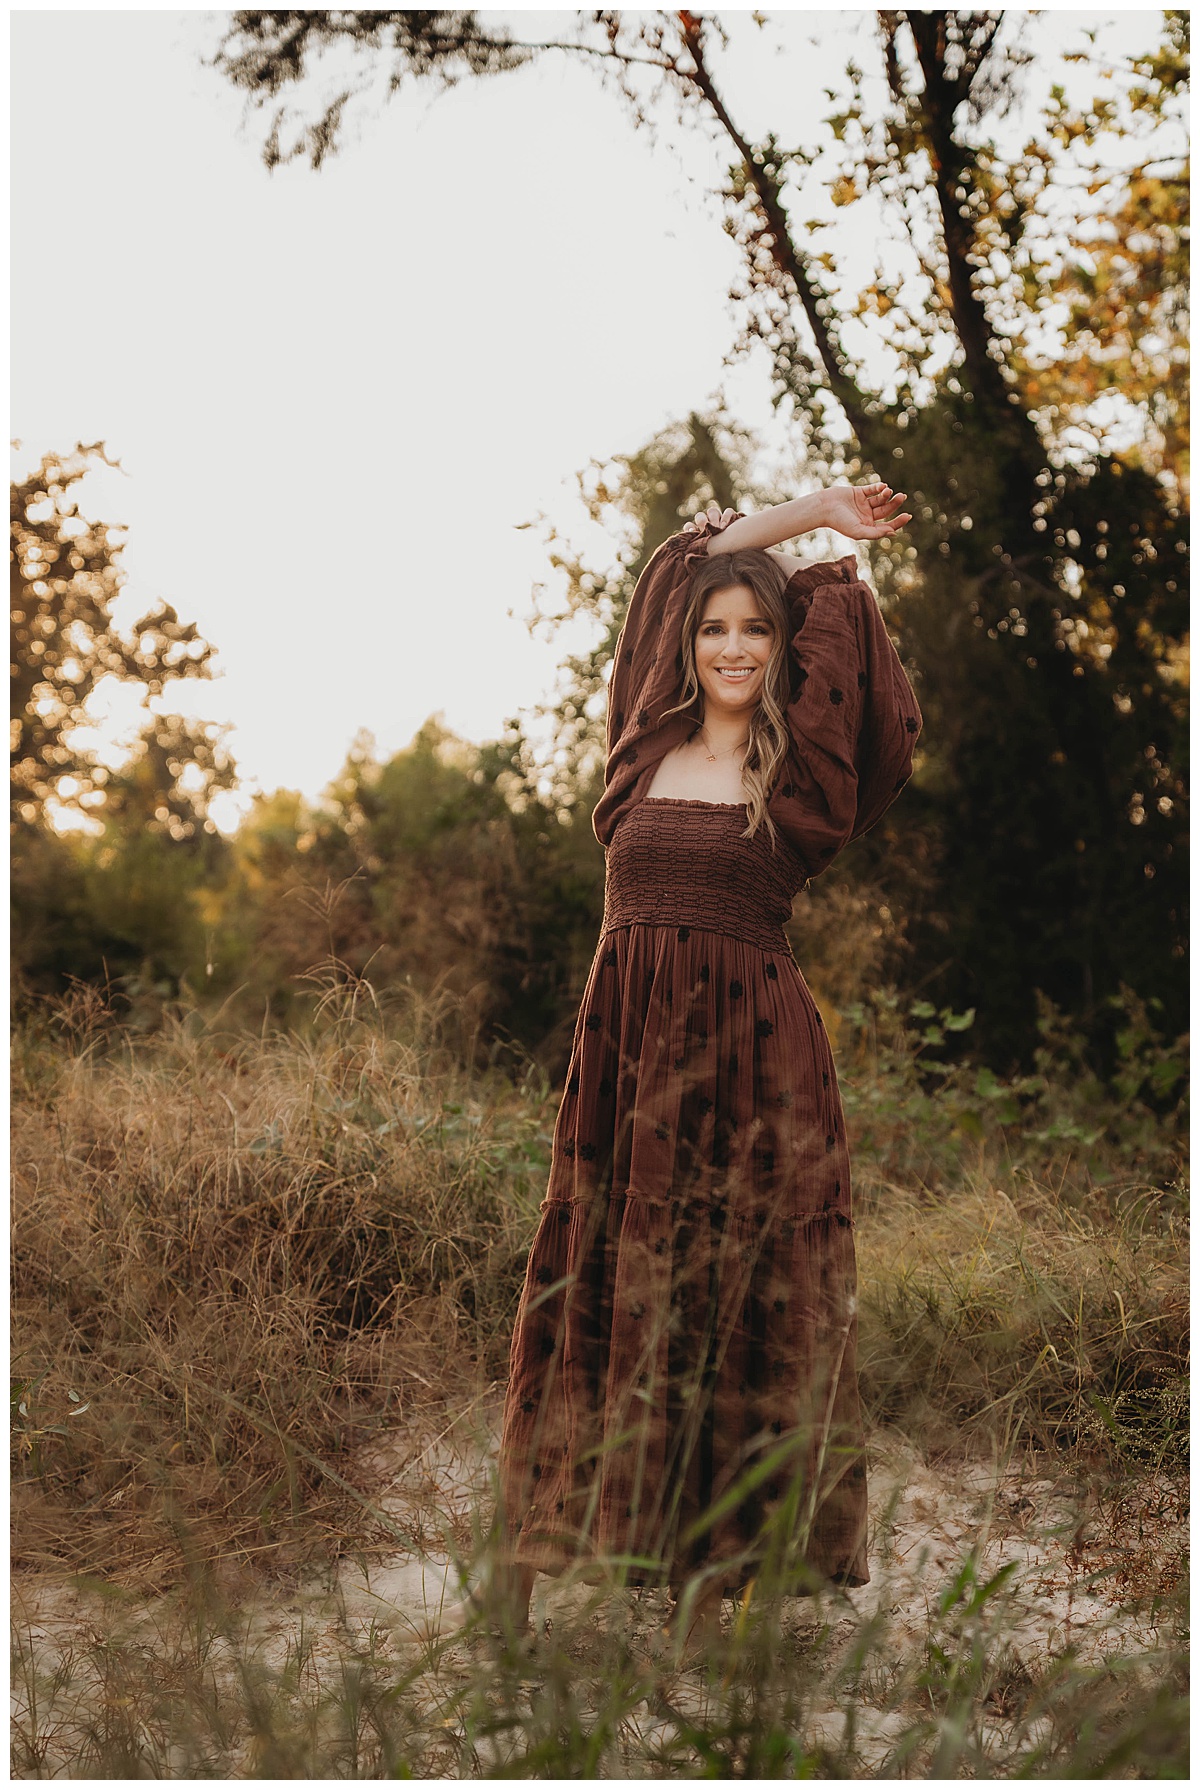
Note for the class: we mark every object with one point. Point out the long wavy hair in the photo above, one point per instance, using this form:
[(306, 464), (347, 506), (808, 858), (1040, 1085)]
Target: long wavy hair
[(768, 743)]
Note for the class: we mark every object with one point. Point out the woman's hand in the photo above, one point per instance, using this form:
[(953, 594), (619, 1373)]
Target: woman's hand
[(864, 512)]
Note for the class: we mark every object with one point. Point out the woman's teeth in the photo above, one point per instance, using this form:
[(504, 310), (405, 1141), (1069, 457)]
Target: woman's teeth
[(739, 676)]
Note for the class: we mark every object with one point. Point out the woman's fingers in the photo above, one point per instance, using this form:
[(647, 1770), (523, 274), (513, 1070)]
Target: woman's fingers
[(889, 527), (714, 515)]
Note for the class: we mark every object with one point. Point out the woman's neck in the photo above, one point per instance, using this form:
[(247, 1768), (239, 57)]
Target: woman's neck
[(722, 733)]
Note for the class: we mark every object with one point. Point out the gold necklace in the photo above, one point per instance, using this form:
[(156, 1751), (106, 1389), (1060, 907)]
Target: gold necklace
[(712, 757)]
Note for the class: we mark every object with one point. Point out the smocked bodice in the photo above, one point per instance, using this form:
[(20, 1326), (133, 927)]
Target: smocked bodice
[(686, 863)]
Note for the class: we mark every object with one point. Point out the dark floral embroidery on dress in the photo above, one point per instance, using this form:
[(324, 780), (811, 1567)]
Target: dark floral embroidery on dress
[(683, 934), (830, 1141), (573, 1085), (910, 725), (610, 957), (630, 757), (662, 1131), (706, 1105), (564, 1216), (569, 1147), (733, 1065), (835, 697), (781, 1305), (777, 1427), (588, 1152), (547, 1346), (643, 719), (594, 1022), (660, 1248), (736, 991), (679, 1062), (619, 720), (785, 1097), (537, 1471), (764, 1028), (606, 1086), (528, 1405), (703, 972), (862, 680), (544, 1276), (638, 1310), (824, 1078), (771, 972)]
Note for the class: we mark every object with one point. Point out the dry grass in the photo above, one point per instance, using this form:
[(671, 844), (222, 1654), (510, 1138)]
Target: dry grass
[(238, 1260), (244, 1267)]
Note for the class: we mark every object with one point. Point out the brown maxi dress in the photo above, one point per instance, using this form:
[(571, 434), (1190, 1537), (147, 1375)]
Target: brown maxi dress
[(682, 1392)]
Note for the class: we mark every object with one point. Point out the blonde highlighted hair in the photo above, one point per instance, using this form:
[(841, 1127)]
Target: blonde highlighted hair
[(769, 739)]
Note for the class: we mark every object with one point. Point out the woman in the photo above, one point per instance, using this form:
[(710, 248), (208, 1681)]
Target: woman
[(682, 1401)]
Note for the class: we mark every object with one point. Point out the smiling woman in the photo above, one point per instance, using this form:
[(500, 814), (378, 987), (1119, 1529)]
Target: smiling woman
[(682, 1402)]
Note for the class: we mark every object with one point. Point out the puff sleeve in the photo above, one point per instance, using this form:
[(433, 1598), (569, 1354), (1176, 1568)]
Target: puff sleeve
[(647, 668), (853, 717)]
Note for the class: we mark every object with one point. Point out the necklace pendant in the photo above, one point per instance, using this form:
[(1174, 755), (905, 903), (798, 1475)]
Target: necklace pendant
[(711, 757)]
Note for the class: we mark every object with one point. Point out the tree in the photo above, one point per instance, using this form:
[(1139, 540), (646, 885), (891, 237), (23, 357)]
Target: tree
[(1041, 592), (65, 575)]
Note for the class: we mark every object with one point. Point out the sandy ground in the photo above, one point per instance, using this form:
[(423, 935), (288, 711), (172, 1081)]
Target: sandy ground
[(1079, 1571)]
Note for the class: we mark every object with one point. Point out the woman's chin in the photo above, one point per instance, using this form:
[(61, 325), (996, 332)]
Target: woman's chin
[(728, 701)]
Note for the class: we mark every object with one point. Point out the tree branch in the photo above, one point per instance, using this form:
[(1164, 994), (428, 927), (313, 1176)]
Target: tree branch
[(782, 249)]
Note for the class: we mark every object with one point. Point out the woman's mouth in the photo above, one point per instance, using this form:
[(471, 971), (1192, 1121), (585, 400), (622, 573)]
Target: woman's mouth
[(736, 674)]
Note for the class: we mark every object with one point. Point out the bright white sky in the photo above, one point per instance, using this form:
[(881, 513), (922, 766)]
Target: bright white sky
[(337, 396)]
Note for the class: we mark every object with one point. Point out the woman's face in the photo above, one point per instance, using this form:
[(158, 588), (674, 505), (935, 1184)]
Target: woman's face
[(732, 647)]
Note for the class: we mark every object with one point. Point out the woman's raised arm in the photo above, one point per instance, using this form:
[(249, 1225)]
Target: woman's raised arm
[(861, 512)]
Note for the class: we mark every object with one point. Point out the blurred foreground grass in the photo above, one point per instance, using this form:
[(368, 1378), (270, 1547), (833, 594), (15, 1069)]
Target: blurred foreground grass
[(241, 1264)]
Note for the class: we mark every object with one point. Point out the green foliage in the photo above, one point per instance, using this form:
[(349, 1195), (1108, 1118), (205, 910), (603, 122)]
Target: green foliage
[(1040, 591), (930, 1116), (446, 868)]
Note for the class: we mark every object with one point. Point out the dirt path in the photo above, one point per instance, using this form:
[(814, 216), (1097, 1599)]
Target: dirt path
[(1081, 1576)]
